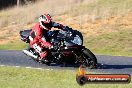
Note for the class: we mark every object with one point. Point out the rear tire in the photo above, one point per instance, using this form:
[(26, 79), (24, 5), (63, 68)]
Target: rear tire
[(47, 63), (89, 59)]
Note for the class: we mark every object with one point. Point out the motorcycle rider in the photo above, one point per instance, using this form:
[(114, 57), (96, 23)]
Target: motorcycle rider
[(39, 35)]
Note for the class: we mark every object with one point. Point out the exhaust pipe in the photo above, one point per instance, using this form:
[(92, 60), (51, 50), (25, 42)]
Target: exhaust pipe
[(29, 54)]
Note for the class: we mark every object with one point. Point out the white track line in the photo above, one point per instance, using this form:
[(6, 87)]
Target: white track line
[(25, 67)]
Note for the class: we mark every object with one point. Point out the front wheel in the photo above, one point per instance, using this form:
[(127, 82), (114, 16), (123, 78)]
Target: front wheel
[(88, 59)]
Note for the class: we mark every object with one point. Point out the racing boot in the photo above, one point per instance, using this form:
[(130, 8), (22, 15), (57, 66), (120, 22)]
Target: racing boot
[(42, 57)]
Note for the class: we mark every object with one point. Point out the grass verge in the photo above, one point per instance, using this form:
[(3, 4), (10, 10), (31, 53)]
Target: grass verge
[(12, 77), (117, 43), (18, 45)]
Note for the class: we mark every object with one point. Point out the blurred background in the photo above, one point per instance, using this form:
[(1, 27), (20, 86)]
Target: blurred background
[(106, 24)]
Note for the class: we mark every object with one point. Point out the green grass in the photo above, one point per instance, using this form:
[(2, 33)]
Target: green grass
[(117, 43), (11, 77), (18, 45)]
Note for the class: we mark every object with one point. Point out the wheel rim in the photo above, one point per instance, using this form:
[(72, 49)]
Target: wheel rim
[(88, 62)]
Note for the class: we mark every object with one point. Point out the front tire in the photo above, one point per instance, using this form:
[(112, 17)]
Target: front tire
[(89, 59)]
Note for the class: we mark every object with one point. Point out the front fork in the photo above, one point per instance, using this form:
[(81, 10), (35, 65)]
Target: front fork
[(79, 54)]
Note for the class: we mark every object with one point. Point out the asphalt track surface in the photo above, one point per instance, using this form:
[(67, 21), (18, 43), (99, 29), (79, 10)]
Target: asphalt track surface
[(106, 64)]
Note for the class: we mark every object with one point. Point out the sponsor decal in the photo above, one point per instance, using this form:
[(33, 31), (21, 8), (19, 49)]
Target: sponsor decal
[(83, 78)]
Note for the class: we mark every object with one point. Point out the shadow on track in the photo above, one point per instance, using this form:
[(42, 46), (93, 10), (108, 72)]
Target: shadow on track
[(105, 66), (65, 65), (100, 66)]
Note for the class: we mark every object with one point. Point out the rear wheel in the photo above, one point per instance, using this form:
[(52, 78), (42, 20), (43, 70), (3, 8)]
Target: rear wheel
[(49, 59), (88, 59), (46, 62)]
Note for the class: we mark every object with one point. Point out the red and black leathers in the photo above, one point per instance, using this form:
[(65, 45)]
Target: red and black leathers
[(39, 37)]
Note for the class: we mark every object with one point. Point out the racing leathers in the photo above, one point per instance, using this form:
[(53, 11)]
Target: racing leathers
[(39, 38)]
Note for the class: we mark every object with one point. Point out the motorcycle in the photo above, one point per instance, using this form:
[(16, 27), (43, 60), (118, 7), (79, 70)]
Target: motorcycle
[(67, 48)]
